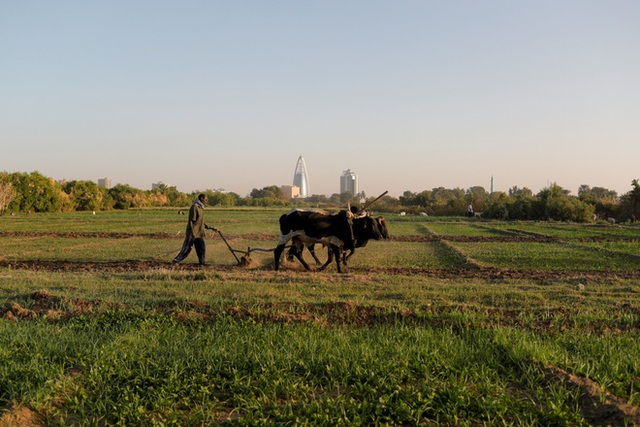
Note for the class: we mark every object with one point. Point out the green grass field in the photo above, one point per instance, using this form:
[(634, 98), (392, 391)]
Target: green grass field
[(450, 322)]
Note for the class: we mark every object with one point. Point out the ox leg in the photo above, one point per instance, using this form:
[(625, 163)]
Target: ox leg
[(312, 251), (346, 257), (310, 248), (329, 258), (297, 252), (277, 253), (336, 251), (292, 253)]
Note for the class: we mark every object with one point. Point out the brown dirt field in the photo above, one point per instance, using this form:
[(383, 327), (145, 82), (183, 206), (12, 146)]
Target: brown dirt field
[(43, 304), (274, 238), (471, 272), (19, 416), (104, 235), (46, 305)]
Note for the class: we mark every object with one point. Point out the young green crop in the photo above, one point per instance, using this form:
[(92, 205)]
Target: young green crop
[(415, 333), (142, 368)]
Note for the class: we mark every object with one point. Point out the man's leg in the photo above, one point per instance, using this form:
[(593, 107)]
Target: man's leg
[(186, 249), (201, 250)]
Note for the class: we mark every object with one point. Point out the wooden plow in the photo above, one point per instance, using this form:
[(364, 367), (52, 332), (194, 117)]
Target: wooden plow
[(245, 259)]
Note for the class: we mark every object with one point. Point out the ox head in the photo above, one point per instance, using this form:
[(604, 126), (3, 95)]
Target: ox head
[(382, 226), (366, 227)]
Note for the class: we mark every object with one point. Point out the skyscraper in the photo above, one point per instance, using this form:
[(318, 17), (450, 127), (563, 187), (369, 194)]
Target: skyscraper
[(300, 177), (349, 182), (104, 183)]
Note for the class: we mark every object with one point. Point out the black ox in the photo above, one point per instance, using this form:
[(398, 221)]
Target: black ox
[(340, 232), (364, 229)]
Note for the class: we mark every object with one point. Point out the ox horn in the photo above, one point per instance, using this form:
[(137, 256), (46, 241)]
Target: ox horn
[(349, 213)]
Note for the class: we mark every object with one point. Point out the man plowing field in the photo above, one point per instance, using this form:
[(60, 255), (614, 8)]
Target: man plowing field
[(195, 232)]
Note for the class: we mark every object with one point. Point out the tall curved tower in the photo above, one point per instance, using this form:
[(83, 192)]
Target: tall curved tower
[(300, 177)]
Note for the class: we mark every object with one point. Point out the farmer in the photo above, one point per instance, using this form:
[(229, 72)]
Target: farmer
[(195, 232)]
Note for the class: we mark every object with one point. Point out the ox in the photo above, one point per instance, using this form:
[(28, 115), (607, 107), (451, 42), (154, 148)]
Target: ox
[(309, 227), (364, 229)]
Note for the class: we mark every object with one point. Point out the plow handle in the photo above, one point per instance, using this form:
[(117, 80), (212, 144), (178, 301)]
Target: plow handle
[(372, 202), (229, 246)]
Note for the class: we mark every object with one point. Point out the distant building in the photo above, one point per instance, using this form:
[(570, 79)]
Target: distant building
[(300, 178), (104, 183), (349, 182), (290, 191), (160, 185)]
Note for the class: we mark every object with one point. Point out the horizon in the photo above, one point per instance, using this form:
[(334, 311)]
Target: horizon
[(409, 95), (225, 190)]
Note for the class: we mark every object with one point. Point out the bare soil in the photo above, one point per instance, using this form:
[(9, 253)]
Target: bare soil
[(19, 416), (109, 235), (522, 237), (548, 321), (469, 272)]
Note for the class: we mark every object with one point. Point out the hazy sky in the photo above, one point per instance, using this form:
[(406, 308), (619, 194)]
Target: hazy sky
[(410, 95)]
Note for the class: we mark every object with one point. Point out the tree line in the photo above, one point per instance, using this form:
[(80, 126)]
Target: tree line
[(551, 203), (34, 192)]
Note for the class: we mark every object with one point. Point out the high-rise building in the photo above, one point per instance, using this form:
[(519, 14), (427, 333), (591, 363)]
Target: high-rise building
[(290, 191), (300, 177), (349, 182), (104, 183)]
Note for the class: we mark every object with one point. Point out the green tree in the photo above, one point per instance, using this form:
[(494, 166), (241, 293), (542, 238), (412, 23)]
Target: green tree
[(497, 206), (7, 192), (346, 197), (37, 193), (125, 197), (555, 203), (165, 195), (317, 199), (515, 192), (385, 204), (630, 205), (446, 201), (84, 195), (217, 198), (520, 204), (408, 198), (270, 192), (478, 197), (606, 202)]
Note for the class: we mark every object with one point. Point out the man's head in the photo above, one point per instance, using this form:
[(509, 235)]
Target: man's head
[(203, 198)]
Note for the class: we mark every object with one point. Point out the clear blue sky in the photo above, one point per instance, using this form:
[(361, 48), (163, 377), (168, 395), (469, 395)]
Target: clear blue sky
[(410, 95)]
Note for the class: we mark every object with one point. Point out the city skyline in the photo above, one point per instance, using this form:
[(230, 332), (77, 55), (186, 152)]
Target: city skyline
[(411, 95), (106, 182)]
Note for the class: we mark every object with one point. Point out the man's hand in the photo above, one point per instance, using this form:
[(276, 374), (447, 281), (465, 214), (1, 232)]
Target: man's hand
[(213, 228)]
